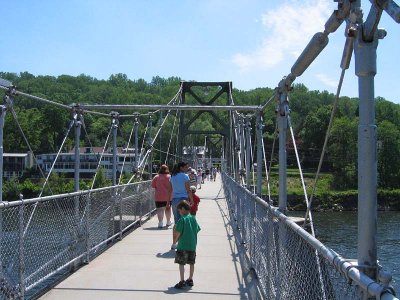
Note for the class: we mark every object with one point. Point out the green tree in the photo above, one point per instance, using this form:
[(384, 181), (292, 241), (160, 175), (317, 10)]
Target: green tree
[(388, 155), (342, 150), (313, 134), (11, 190), (101, 179)]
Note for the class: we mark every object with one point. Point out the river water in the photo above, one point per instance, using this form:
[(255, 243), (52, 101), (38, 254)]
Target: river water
[(338, 230)]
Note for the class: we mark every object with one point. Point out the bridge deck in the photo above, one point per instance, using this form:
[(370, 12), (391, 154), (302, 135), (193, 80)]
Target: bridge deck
[(141, 266)]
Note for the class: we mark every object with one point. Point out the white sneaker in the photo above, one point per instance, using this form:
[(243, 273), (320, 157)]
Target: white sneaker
[(168, 224), (160, 224), (173, 247)]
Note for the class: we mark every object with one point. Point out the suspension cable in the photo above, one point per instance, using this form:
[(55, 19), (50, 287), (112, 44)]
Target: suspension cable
[(266, 172), (301, 172), (27, 142), (144, 136), (46, 181), (101, 157), (165, 152), (88, 137), (143, 162), (55, 159), (328, 132), (273, 144), (252, 151), (267, 102), (170, 139), (126, 154)]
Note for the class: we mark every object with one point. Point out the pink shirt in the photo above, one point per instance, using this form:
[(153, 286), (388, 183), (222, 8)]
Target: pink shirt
[(162, 187)]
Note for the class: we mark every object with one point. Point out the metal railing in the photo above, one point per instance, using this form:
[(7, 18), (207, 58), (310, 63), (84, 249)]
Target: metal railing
[(44, 238), (289, 262)]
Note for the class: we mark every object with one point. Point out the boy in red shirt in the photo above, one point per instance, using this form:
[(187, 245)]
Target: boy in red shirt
[(196, 200)]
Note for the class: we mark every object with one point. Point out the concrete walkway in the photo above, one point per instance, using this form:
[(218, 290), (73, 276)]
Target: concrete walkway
[(141, 266)]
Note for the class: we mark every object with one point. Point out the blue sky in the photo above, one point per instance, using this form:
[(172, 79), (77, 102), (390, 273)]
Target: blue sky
[(251, 43)]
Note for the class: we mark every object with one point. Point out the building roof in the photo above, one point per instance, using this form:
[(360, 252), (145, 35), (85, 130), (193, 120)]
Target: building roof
[(15, 154)]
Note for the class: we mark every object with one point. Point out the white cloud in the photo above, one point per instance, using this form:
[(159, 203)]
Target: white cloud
[(289, 28), (326, 80)]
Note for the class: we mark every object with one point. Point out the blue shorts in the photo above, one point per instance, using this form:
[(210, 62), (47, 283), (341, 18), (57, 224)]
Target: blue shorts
[(174, 206)]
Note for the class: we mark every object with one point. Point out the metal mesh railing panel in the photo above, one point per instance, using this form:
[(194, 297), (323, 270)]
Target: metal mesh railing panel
[(42, 238), (136, 202), (101, 217), (287, 265), (10, 240), (48, 228)]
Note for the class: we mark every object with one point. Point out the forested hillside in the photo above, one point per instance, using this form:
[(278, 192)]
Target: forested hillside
[(45, 125)]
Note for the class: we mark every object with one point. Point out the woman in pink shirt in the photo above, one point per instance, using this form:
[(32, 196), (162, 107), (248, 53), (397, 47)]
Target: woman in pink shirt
[(162, 195)]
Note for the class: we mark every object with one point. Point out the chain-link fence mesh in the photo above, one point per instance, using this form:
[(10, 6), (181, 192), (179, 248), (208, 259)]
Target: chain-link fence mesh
[(45, 237), (287, 264)]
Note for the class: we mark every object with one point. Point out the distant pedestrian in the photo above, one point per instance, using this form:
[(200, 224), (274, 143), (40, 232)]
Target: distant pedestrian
[(214, 172), (208, 174), (180, 191), (199, 178), (192, 177), (162, 195), (196, 200), (186, 230)]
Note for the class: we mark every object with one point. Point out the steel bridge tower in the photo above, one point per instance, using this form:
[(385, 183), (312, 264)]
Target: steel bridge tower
[(220, 90)]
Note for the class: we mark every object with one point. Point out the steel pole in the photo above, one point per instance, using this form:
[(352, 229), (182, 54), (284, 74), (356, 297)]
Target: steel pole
[(282, 126), (114, 131), (77, 151), (77, 162), (365, 67), (223, 154), (242, 147), (259, 153), (136, 124), (248, 152), (3, 110), (150, 141), (235, 150)]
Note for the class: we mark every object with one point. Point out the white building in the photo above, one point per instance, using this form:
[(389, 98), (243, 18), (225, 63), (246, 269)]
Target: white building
[(89, 158), (14, 164)]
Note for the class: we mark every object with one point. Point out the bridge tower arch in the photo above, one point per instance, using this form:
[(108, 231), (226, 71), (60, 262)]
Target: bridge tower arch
[(219, 90)]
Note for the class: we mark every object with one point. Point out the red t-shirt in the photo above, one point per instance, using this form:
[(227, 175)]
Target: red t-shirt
[(195, 206), (162, 187)]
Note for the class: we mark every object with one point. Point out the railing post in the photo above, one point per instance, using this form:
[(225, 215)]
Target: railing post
[(87, 225), (234, 141), (78, 124), (259, 153), (283, 112), (365, 68), (248, 151), (136, 125), (115, 123), (3, 110), (21, 249), (150, 141), (120, 216)]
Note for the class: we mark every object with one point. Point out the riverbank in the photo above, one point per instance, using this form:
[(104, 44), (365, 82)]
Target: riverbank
[(388, 200)]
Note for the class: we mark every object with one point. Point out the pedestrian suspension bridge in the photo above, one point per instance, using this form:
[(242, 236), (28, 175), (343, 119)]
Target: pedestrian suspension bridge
[(269, 256)]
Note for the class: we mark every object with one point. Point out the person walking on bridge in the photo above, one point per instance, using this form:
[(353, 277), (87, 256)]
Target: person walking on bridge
[(186, 230), (162, 195), (180, 191)]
